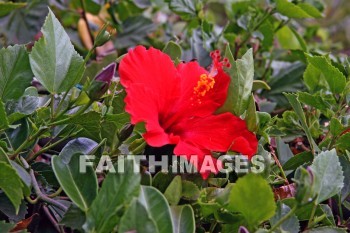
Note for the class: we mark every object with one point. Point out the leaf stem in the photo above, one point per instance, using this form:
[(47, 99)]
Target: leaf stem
[(25, 143)]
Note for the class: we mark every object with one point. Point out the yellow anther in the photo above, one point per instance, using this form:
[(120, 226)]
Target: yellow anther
[(204, 84)]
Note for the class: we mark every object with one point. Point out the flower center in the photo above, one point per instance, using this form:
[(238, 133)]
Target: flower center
[(205, 83)]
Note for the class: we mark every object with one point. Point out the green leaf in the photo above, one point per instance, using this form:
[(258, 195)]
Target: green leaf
[(245, 199), (9, 210), (3, 117), (328, 175), (345, 163), (314, 78), (53, 59), (291, 10), (335, 127), (267, 30), (299, 111), (283, 150), (310, 10), (184, 8), (259, 84), (242, 75), (297, 160), (183, 219), (15, 71), (90, 122), (190, 190), (7, 7), (288, 39), (174, 191), (118, 189), (81, 187), (343, 142), (11, 184), (173, 50), (315, 101), (136, 219), (157, 208), (74, 218), (251, 115), (335, 79), (134, 31), (6, 227), (291, 225)]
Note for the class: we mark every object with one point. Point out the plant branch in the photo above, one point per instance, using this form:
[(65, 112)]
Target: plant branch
[(42, 196)]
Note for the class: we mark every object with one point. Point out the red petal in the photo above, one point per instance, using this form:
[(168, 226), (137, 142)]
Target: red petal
[(149, 77), (219, 133), (189, 74), (193, 153)]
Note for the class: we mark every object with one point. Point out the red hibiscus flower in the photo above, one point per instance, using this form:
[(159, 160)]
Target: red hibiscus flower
[(178, 105)]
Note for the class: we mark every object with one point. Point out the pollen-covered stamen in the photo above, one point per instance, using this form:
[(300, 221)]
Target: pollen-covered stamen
[(205, 83)]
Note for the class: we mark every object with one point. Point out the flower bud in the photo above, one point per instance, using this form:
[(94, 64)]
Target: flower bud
[(102, 37), (304, 180), (125, 132), (101, 83)]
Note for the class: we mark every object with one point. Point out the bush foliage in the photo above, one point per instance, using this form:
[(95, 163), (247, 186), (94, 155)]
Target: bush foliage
[(288, 81)]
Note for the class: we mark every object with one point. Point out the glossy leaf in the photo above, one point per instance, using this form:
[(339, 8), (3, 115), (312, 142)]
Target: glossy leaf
[(242, 74), (53, 59), (81, 187), (15, 71)]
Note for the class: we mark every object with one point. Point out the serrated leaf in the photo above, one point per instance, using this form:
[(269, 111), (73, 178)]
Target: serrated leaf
[(314, 78), (290, 225), (80, 187), (157, 208), (11, 184), (245, 199), (53, 59), (118, 189), (15, 71), (328, 175), (190, 190), (242, 75), (183, 219), (335, 79), (345, 163), (184, 8)]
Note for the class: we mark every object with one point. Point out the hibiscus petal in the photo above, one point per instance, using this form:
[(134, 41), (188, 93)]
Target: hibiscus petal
[(197, 157), (150, 81), (219, 133), (190, 74)]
